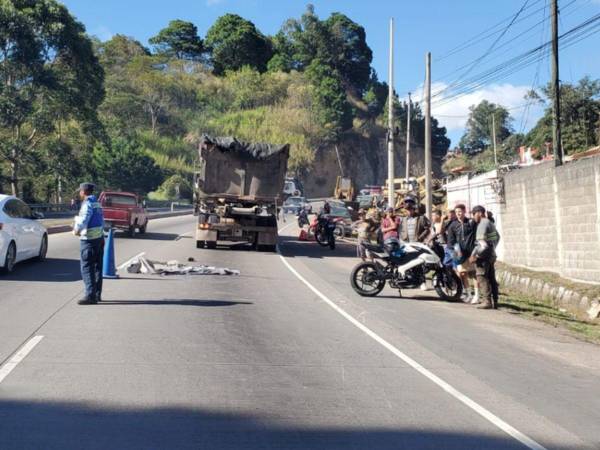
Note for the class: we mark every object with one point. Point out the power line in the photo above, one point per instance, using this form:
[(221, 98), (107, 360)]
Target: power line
[(491, 48), (485, 34), (542, 22), (518, 63)]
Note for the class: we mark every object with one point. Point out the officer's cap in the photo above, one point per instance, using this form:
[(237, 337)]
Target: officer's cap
[(87, 187)]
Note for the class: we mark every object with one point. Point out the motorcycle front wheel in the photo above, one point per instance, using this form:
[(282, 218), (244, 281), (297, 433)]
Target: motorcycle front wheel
[(448, 285), (365, 281), (321, 237)]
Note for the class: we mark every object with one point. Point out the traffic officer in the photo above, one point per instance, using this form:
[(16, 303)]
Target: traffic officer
[(89, 226)]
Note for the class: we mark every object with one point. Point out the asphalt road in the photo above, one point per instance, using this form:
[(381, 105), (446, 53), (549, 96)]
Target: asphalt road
[(284, 356)]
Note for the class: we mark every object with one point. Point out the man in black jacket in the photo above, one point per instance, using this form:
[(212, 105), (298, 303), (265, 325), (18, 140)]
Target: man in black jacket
[(461, 240)]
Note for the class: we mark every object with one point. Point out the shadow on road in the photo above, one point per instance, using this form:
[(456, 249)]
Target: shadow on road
[(291, 247), (52, 269), (148, 236), (176, 302), (61, 425)]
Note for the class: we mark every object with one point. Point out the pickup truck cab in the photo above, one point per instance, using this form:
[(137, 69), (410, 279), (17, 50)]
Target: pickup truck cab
[(124, 211)]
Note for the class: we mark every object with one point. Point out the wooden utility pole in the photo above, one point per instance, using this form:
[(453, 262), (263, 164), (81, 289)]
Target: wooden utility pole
[(428, 197), (556, 134), (390, 133), (494, 140), (408, 138)]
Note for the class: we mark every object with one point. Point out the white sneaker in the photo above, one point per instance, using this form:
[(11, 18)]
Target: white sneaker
[(424, 287), (475, 299)]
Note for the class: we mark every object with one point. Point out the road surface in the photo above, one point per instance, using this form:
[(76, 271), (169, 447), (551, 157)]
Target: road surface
[(284, 356)]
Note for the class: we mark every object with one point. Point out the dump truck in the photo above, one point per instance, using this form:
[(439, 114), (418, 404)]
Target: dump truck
[(238, 188)]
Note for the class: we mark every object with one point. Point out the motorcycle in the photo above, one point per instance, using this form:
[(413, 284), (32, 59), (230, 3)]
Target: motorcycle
[(323, 228), (405, 266), (303, 218)]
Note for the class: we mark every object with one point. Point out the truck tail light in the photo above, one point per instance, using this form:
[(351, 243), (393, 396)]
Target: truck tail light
[(204, 226)]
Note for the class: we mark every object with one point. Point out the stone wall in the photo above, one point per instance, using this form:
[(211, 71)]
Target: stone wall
[(551, 218)]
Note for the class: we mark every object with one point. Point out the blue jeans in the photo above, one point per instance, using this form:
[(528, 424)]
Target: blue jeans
[(92, 253)]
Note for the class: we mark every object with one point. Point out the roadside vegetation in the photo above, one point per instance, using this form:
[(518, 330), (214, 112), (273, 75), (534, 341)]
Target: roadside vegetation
[(128, 115)]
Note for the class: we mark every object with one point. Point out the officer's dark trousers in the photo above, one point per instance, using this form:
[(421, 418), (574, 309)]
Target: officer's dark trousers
[(91, 267)]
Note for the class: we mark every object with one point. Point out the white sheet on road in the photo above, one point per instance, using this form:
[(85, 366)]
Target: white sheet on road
[(143, 265)]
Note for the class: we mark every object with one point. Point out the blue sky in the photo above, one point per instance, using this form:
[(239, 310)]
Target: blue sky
[(428, 25)]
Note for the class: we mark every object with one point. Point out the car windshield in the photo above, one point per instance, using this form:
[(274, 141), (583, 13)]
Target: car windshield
[(120, 200), (339, 211), (296, 201)]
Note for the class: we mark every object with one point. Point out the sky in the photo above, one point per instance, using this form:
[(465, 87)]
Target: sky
[(436, 26)]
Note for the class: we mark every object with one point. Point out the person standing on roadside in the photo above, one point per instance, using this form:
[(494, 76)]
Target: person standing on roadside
[(414, 227), (89, 226), (484, 257), (390, 224), (461, 240)]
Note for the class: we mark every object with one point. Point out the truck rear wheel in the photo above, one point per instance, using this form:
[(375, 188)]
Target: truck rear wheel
[(199, 244)]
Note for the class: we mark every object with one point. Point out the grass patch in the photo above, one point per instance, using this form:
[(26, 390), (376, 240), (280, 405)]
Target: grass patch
[(535, 309)]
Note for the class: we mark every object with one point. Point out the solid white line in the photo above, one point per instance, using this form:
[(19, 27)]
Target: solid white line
[(129, 260), (525, 440), (7, 368)]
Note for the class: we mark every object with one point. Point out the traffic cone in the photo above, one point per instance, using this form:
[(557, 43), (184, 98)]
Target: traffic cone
[(108, 262)]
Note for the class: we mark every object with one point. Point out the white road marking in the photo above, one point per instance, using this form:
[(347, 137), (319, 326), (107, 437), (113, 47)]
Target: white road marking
[(130, 260), (7, 368), (286, 227), (486, 414), (182, 235)]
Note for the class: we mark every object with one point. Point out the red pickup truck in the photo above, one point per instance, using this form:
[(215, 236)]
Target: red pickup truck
[(124, 211)]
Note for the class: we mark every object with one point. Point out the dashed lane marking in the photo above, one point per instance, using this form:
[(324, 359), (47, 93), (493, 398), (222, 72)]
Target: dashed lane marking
[(19, 356)]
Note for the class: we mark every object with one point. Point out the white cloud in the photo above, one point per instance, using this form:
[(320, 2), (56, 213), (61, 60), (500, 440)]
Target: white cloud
[(213, 2), (453, 115), (102, 32)]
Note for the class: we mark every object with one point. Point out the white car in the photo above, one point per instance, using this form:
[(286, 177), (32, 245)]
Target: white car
[(21, 236)]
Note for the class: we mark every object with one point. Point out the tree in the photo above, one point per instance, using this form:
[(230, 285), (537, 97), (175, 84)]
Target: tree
[(48, 71), (478, 134), (117, 52), (124, 165), (580, 116), (332, 108), (350, 54), (235, 42), (338, 42), (180, 40)]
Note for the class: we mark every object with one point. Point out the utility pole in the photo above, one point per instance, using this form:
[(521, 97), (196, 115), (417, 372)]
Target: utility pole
[(390, 136), (494, 139), (428, 198), (408, 139), (556, 135)]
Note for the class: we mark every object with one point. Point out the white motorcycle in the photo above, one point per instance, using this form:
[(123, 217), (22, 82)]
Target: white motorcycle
[(405, 266)]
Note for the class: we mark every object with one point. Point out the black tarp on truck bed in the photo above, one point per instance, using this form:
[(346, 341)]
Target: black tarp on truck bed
[(231, 168)]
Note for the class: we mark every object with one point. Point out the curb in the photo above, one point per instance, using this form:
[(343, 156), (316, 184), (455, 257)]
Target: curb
[(556, 295), (64, 228)]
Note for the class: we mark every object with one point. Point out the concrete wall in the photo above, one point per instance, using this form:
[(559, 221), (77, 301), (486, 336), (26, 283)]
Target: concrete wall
[(551, 218)]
